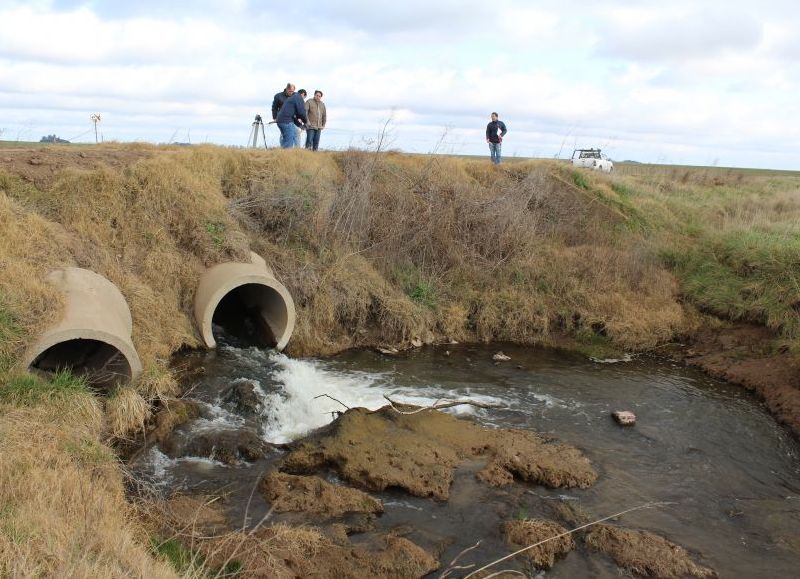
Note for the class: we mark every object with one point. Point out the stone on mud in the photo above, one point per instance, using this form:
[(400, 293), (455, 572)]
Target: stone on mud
[(531, 531), (645, 553), (419, 453), (624, 417), (311, 494)]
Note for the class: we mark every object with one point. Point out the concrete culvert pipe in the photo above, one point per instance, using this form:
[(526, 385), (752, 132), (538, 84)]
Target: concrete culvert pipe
[(244, 299), (93, 339)]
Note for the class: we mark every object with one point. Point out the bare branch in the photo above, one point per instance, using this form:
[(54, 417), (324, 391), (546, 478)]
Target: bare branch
[(454, 567), (332, 398), (438, 405)]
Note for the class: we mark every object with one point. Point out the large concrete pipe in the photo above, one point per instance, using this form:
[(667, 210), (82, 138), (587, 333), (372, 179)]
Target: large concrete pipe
[(246, 300), (93, 339)]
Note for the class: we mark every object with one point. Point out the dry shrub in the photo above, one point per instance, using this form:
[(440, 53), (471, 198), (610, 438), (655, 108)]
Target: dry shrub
[(645, 553), (344, 302), (62, 506), (529, 532)]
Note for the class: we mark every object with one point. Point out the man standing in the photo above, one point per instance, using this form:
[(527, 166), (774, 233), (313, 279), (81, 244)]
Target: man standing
[(277, 103), (495, 131), (291, 118), (317, 118)]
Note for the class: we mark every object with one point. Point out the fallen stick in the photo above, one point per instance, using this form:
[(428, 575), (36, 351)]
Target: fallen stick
[(438, 405), (332, 398)]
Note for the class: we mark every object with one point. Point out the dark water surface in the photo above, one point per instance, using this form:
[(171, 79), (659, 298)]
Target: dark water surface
[(707, 446)]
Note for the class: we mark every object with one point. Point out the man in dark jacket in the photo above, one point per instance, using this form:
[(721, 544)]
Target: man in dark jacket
[(290, 118), (280, 98), (495, 131)]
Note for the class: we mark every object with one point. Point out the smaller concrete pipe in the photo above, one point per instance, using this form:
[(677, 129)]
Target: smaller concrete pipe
[(93, 339), (235, 294)]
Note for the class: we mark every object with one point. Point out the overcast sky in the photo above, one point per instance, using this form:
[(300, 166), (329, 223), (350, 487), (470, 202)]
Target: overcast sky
[(684, 82)]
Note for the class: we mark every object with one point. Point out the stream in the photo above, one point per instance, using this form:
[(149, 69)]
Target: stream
[(710, 448)]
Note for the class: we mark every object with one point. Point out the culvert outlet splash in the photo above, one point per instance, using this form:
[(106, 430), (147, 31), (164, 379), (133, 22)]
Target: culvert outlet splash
[(245, 300), (93, 339)]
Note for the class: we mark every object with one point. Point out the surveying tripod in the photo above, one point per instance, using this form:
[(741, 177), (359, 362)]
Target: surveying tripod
[(252, 140)]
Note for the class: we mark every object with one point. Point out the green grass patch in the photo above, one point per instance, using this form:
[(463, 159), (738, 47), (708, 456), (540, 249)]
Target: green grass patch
[(30, 390), (594, 345), (216, 231), (751, 275), (415, 285), (580, 180), (190, 563), (90, 452), (183, 560), (424, 294)]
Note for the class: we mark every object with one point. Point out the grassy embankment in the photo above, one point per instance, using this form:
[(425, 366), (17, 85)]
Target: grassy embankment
[(375, 249)]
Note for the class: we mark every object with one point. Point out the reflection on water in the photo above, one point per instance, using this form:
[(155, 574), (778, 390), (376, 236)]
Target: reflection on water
[(708, 446)]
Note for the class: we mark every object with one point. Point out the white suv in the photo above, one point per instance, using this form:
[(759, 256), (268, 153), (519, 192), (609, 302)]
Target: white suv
[(592, 159)]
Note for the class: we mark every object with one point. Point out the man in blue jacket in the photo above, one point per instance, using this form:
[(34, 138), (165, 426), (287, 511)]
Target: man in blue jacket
[(291, 118), (495, 131)]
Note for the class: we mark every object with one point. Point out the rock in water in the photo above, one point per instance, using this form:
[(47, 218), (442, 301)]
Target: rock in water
[(624, 417), (500, 357)]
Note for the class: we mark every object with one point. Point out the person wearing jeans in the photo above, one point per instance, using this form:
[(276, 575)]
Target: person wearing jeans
[(495, 131), (317, 118), (291, 118)]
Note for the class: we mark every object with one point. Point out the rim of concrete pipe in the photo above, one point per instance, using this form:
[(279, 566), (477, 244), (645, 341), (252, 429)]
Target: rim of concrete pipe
[(94, 311), (220, 280)]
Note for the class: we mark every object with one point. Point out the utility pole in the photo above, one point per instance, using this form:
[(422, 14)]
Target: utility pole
[(95, 117)]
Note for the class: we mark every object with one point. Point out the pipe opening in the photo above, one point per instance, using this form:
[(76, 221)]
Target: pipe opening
[(102, 365), (253, 313)]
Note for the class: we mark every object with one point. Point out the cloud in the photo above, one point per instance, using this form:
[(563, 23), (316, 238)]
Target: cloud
[(675, 32), (677, 81)]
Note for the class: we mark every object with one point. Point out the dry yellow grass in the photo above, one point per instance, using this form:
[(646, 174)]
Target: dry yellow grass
[(126, 411), (62, 505)]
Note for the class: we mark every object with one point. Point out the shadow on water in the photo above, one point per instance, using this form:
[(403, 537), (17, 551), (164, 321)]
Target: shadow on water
[(707, 446)]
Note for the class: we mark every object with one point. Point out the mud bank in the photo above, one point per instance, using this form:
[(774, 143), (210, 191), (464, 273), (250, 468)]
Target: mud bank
[(420, 452)]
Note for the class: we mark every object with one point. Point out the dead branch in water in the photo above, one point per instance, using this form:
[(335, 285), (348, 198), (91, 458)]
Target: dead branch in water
[(619, 514), (453, 567), (438, 405), (332, 398)]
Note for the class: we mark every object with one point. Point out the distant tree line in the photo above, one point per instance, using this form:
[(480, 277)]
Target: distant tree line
[(52, 139)]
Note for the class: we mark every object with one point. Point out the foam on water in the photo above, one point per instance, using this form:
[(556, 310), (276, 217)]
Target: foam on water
[(304, 401), (159, 466), (625, 358), (216, 418)]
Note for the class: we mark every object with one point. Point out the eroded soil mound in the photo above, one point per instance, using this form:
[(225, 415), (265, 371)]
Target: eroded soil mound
[(645, 553), (279, 550), (529, 532), (310, 494), (419, 453), (284, 552)]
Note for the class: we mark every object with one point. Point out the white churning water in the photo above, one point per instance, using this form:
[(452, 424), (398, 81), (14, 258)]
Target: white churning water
[(295, 408)]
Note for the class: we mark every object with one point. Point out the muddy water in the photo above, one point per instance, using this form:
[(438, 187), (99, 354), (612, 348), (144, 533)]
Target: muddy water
[(708, 447)]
